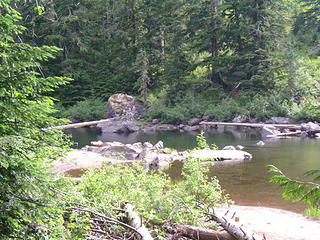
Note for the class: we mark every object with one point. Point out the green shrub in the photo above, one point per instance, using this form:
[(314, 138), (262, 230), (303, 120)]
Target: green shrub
[(90, 109), (266, 106), (226, 110), (308, 109), (176, 110), (154, 196)]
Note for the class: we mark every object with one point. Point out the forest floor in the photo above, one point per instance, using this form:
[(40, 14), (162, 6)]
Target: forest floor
[(275, 224)]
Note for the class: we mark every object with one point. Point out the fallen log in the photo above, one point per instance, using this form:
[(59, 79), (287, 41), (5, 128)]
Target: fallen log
[(78, 125), (238, 231), (135, 221), (254, 125), (285, 134), (201, 233)]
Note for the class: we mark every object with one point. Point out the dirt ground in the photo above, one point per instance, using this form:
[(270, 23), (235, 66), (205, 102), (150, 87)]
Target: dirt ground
[(275, 224)]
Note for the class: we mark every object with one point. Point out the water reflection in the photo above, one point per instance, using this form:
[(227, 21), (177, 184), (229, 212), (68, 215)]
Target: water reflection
[(245, 181)]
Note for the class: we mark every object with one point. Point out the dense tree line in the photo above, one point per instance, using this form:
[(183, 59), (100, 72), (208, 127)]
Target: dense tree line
[(174, 53), (206, 46)]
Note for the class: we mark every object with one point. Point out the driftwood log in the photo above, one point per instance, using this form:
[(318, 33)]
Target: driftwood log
[(201, 233), (79, 125), (254, 125), (285, 134), (135, 221), (238, 231)]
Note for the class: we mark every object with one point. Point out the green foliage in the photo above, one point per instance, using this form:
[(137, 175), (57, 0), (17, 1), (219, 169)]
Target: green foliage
[(188, 54), (299, 191), (28, 208), (87, 110), (154, 196), (202, 142), (226, 110), (308, 109), (175, 109)]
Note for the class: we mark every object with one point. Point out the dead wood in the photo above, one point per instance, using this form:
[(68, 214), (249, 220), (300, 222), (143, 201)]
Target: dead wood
[(201, 233), (285, 134), (254, 125), (234, 91), (135, 221), (238, 231), (78, 125)]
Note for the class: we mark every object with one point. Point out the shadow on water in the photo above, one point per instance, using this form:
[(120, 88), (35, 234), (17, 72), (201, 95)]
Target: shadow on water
[(245, 181)]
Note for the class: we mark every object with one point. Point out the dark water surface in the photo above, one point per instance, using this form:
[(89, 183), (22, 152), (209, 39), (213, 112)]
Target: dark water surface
[(245, 181)]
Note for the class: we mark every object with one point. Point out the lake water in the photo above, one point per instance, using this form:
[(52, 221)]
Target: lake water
[(245, 181)]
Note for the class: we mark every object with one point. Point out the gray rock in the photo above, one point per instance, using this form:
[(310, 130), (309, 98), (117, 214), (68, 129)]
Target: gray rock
[(119, 126), (155, 121), (137, 145), (123, 105), (229, 147), (158, 145), (317, 135), (269, 131), (194, 121), (181, 126), (142, 155), (131, 155), (147, 145), (166, 127), (279, 120), (260, 143), (239, 147), (303, 134), (240, 119), (149, 129), (96, 143), (310, 126), (192, 128)]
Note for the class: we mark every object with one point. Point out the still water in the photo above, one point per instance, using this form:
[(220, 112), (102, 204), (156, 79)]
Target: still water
[(245, 181)]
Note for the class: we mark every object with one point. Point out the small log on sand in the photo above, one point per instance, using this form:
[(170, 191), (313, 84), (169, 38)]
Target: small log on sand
[(135, 221), (240, 232), (201, 233)]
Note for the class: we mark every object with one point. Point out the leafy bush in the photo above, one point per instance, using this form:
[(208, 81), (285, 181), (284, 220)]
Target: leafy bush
[(175, 109), (308, 109), (266, 106), (225, 111), (90, 109), (154, 196)]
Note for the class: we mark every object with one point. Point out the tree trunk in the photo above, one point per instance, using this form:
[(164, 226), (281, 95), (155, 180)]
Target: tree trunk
[(233, 228), (201, 233), (135, 221)]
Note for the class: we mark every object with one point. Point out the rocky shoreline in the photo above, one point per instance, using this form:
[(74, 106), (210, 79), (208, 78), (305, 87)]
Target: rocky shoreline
[(151, 156), (267, 130)]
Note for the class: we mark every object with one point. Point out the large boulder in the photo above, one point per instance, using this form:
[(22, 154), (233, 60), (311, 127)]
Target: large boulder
[(311, 128), (119, 126), (123, 105)]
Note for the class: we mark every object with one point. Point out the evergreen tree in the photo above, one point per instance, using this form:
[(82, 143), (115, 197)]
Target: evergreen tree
[(27, 209)]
